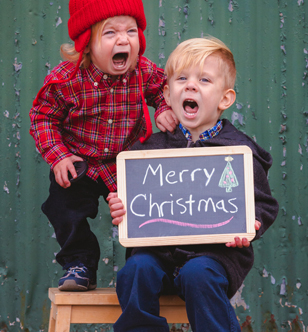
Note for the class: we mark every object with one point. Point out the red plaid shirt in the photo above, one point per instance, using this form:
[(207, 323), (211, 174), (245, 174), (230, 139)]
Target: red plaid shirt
[(94, 118)]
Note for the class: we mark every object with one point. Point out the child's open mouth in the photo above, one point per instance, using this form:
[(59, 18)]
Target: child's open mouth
[(119, 60), (190, 107)]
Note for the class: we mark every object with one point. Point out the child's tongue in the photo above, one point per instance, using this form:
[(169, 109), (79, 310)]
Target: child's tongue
[(119, 60), (188, 109), (191, 107)]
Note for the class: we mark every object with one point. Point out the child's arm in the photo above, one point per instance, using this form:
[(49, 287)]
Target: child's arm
[(47, 117), (155, 80), (240, 243), (266, 206), (167, 121), (116, 207)]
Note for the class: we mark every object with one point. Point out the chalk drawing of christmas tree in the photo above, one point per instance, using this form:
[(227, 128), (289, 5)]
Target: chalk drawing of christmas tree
[(228, 178)]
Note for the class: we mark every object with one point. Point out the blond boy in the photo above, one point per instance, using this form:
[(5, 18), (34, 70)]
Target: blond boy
[(200, 80)]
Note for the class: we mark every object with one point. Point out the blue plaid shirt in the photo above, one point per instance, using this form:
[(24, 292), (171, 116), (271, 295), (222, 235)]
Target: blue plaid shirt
[(210, 133)]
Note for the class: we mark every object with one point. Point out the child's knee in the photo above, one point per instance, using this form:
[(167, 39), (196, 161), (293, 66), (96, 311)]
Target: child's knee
[(203, 272), (141, 264)]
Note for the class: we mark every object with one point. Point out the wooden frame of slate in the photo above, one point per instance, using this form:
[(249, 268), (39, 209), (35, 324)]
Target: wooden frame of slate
[(186, 196)]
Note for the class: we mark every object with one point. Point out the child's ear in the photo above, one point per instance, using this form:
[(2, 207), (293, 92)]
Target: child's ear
[(167, 94), (227, 100)]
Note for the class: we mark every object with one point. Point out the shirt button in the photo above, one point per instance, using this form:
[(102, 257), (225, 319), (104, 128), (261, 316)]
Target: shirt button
[(95, 84), (111, 90), (105, 77), (124, 80), (106, 150), (110, 121)]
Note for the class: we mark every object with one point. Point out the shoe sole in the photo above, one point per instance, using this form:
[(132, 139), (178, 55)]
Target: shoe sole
[(71, 285)]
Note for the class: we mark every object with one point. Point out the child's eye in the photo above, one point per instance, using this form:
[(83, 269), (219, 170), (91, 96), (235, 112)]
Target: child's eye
[(204, 80), (132, 31), (108, 32), (181, 78)]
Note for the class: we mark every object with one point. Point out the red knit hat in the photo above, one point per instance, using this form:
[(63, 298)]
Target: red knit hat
[(84, 14)]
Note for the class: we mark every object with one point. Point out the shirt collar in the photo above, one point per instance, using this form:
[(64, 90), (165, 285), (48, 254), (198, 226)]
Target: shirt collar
[(207, 134), (95, 74)]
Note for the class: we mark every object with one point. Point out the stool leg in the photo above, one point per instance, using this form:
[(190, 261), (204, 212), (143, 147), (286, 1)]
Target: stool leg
[(52, 321), (63, 321)]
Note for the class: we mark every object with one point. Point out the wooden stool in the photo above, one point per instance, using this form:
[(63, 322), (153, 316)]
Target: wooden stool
[(101, 306)]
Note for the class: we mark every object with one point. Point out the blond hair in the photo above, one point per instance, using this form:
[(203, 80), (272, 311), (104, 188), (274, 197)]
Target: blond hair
[(68, 51), (193, 52)]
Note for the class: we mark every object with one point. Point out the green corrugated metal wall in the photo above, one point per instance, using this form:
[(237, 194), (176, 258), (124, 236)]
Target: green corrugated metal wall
[(269, 39)]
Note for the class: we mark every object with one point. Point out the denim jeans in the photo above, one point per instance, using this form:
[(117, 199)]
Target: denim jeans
[(68, 210), (201, 282)]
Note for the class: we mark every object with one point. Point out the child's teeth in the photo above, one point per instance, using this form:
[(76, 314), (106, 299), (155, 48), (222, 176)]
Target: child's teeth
[(119, 63)]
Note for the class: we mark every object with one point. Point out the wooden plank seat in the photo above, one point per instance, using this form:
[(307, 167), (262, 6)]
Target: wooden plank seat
[(101, 306)]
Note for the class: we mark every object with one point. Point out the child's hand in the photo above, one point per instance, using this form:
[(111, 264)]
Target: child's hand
[(167, 121), (116, 207), (63, 167), (240, 243)]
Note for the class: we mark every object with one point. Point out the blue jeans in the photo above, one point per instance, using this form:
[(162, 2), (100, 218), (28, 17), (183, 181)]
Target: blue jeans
[(201, 282)]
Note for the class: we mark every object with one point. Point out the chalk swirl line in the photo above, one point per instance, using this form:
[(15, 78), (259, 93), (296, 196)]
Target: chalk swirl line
[(185, 224)]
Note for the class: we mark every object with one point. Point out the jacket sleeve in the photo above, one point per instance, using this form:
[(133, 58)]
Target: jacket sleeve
[(266, 206), (46, 124)]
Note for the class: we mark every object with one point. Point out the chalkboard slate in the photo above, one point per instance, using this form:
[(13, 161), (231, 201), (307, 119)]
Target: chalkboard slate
[(186, 196)]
